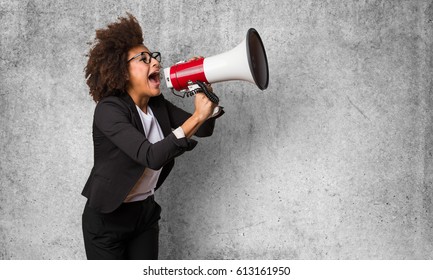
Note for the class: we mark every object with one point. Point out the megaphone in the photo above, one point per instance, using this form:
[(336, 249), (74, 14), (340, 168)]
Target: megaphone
[(246, 62)]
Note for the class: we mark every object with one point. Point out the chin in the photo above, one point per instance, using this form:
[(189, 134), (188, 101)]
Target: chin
[(156, 92), (151, 92)]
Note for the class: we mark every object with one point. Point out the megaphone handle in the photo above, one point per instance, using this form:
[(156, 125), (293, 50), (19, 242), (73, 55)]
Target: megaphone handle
[(212, 96)]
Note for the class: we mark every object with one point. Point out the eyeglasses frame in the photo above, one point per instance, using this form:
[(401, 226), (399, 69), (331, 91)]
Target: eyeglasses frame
[(154, 55)]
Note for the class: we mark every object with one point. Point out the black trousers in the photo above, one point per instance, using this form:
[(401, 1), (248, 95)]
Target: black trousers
[(130, 232)]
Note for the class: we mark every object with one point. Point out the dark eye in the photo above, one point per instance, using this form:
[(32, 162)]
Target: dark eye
[(145, 58)]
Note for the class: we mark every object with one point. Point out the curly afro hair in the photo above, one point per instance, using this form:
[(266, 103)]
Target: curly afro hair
[(107, 70)]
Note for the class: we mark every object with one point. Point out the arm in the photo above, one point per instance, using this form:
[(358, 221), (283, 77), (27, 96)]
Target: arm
[(191, 125), (178, 117), (112, 118)]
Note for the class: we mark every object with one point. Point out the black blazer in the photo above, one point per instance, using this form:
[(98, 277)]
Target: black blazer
[(122, 151)]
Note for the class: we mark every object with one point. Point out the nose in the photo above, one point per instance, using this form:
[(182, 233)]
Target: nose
[(155, 63)]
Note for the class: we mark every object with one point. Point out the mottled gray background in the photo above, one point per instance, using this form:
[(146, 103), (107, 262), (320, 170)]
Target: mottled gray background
[(332, 161)]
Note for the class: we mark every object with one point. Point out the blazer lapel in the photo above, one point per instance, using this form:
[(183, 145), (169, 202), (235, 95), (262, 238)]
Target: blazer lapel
[(136, 120), (161, 114), (158, 109)]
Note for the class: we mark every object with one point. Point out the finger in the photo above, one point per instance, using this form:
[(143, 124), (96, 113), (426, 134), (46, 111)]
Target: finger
[(209, 88), (200, 95), (195, 58), (203, 97)]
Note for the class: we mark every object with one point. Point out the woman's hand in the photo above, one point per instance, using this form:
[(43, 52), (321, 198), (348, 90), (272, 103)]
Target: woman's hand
[(204, 108)]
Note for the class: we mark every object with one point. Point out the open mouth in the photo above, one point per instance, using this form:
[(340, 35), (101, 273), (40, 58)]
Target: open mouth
[(154, 78)]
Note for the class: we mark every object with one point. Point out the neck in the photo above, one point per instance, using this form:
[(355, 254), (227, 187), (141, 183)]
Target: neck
[(139, 100)]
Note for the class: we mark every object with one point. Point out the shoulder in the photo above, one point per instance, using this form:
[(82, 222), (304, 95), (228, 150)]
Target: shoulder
[(112, 106), (111, 100), (120, 100)]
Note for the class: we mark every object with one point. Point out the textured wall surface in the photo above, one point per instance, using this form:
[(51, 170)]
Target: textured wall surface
[(333, 161)]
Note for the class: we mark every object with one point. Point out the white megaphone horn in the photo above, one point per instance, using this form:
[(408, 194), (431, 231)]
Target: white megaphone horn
[(246, 62)]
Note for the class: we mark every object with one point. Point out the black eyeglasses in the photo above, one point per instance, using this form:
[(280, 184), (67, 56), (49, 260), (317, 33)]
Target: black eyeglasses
[(147, 56)]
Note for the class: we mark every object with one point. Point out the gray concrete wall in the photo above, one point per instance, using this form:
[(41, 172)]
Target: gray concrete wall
[(333, 161)]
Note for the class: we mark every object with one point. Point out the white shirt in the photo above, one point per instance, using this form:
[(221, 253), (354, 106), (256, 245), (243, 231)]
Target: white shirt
[(145, 186)]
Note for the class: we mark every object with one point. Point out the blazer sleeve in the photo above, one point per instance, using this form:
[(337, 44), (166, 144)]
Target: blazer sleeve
[(179, 116), (113, 118)]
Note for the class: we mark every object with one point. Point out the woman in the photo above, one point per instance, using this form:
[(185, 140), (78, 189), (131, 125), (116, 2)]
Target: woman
[(136, 136)]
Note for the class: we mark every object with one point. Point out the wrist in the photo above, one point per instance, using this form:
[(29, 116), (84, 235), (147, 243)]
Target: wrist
[(191, 125), (199, 118)]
